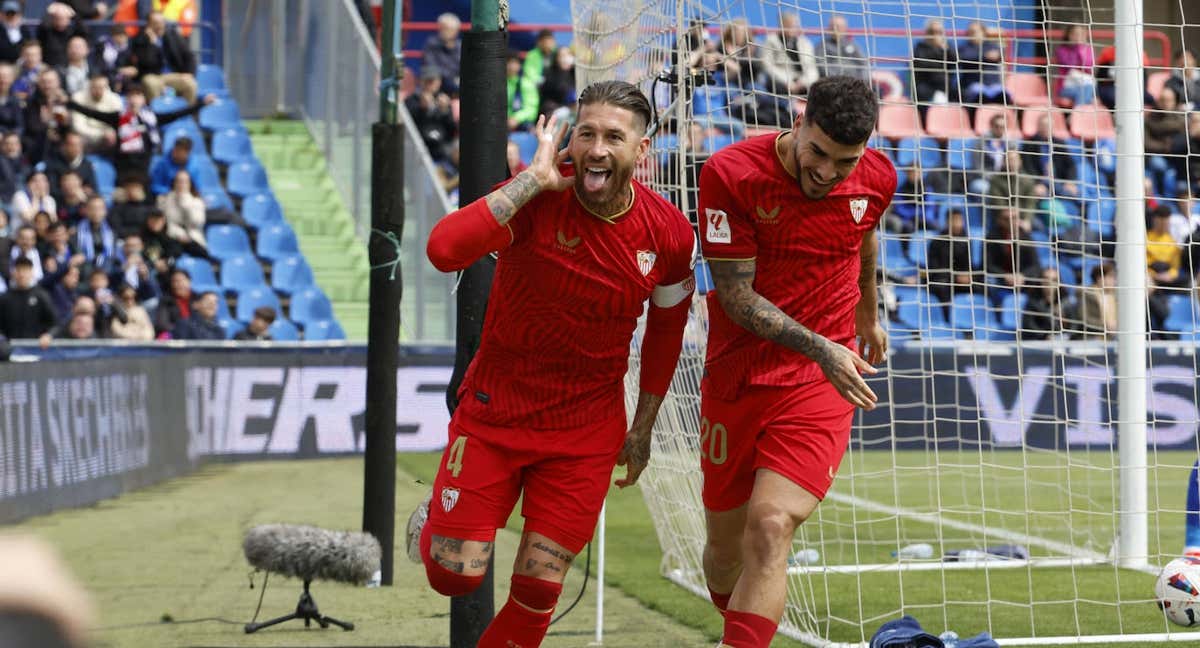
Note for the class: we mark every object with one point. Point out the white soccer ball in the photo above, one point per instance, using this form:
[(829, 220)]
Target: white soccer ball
[(1178, 591)]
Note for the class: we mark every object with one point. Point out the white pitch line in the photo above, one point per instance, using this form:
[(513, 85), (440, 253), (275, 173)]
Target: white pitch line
[(936, 519)]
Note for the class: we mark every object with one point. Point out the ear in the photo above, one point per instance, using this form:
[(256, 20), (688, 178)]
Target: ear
[(643, 148)]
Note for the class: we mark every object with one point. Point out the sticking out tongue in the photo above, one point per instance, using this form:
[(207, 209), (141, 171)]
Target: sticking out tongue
[(593, 181)]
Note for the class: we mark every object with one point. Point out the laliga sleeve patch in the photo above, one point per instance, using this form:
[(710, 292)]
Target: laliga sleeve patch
[(717, 230)]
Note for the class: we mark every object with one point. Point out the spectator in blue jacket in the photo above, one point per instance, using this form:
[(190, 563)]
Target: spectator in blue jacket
[(202, 325), (980, 67), (164, 170)]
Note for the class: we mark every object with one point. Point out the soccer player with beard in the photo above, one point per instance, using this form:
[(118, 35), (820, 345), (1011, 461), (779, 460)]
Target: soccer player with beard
[(789, 235), (542, 408)]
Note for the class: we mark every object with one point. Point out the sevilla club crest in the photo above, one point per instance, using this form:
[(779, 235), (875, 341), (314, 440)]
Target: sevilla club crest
[(449, 498), (645, 261), (858, 208)]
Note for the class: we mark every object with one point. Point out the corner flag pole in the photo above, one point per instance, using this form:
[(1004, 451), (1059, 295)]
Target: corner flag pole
[(483, 124), (383, 315)]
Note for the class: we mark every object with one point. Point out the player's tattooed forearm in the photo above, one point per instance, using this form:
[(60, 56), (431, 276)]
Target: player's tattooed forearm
[(562, 555), (505, 201), (734, 282)]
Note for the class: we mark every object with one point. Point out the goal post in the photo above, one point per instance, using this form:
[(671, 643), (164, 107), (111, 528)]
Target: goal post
[(1025, 469)]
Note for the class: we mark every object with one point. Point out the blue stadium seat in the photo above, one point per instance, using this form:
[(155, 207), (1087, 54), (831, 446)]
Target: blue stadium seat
[(201, 272), (969, 316), (932, 317), (309, 305), (291, 273), (252, 298), (1011, 306), (217, 199), (227, 241), (246, 177), (222, 305), (667, 146), (209, 79), (220, 114), (1182, 314), (714, 143), (207, 175), (167, 103), (526, 143), (261, 210), (230, 145), (106, 175), (918, 247), (322, 330), (924, 151), (959, 155), (232, 327), (180, 127), (893, 259), (276, 241), (240, 273), (282, 330)]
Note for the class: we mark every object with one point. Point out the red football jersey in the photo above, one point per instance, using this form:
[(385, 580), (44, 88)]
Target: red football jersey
[(806, 255), (564, 304)]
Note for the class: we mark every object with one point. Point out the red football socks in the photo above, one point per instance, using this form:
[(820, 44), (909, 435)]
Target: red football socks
[(747, 630), (720, 601), (517, 626)]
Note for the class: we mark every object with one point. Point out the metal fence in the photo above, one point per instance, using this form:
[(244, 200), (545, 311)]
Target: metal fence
[(315, 59)]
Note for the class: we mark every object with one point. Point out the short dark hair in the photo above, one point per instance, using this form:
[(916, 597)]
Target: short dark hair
[(198, 296), (181, 271), (1102, 269), (544, 33), (265, 313), (845, 107), (182, 142), (22, 262), (621, 94)]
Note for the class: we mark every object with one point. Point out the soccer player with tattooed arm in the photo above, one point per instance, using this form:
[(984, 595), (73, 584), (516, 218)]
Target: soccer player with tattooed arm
[(789, 235), (580, 250)]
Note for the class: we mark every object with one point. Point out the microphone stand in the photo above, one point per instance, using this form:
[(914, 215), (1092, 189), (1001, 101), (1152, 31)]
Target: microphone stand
[(306, 609)]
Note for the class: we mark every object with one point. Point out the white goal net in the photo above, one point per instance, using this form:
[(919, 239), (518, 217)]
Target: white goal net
[(990, 490)]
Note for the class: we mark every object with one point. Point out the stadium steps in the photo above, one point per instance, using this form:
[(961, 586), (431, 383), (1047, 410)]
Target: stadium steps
[(324, 227)]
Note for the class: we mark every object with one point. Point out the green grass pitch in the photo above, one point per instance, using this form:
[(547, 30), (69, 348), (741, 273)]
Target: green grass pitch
[(174, 549)]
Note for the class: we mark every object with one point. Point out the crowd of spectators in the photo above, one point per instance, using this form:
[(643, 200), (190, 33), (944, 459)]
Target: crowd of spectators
[(1033, 219), (82, 256)]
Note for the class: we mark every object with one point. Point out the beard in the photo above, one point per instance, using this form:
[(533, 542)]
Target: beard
[(607, 199)]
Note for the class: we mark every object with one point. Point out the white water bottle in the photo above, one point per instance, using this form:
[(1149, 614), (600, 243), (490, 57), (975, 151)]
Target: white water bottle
[(804, 557), (918, 551)]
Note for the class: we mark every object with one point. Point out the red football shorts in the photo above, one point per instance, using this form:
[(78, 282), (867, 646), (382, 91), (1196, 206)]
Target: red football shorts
[(800, 432), (564, 476)]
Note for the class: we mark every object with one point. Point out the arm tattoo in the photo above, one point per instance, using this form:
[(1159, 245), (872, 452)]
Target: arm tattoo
[(734, 283), (505, 201), (637, 446)]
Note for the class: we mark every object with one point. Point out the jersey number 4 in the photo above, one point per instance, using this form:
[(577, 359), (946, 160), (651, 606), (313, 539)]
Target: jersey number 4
[(714, 442), (454, 458)]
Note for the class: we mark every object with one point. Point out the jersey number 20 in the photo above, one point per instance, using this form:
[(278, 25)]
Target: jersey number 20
[(714, 441)]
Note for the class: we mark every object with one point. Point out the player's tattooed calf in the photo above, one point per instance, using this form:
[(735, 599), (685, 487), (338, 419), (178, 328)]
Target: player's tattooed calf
[(452, 565), (562, 555), (478, 563), (449, 545)]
